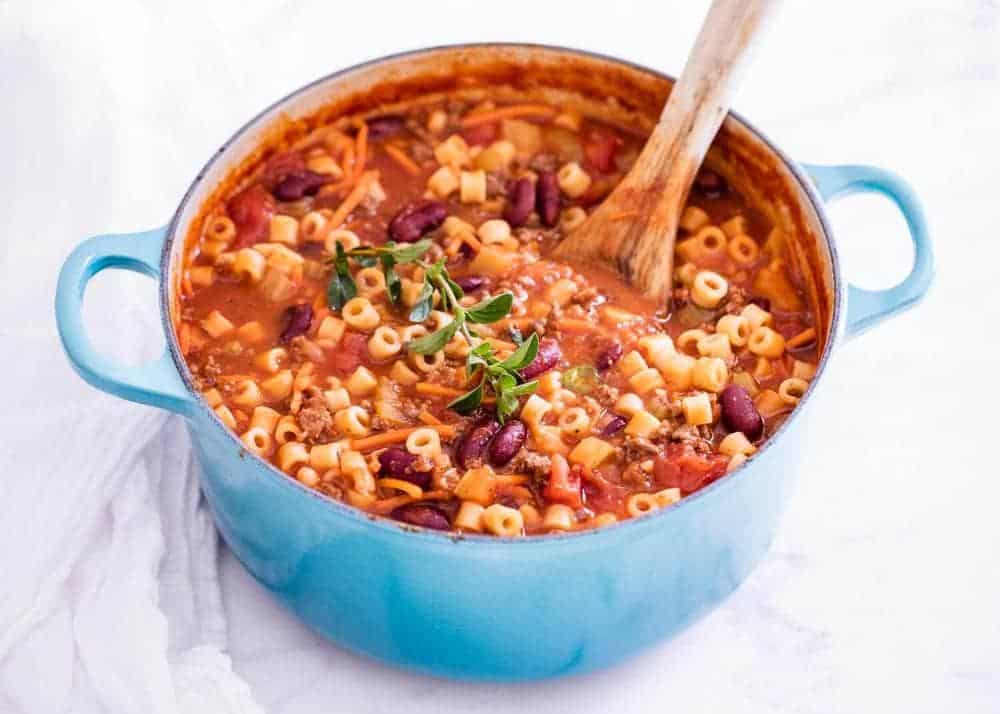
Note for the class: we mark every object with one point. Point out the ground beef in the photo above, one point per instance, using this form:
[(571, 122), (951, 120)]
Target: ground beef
[(606, 394), (315, 419), (544, 162), (446, 480), (634, 477), (687, 434), (681, 298), (736, 299), (529, 462), (586, 296), (638, 448)]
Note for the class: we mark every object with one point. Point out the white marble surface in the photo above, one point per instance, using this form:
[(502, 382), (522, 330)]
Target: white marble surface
[(883, 589)]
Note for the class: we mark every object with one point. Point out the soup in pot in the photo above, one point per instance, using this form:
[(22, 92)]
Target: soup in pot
[(375, 312)]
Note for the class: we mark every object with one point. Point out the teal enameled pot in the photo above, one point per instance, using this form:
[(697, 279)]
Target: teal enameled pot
[(480, 607)]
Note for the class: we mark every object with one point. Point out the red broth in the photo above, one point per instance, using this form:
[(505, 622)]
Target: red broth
[(324, 366)]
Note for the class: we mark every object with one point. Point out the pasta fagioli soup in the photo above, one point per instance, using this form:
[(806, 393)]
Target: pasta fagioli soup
[(375, 312)]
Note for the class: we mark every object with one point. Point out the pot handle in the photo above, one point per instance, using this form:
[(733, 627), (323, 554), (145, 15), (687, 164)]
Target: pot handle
[(155, 383), (866, 308)]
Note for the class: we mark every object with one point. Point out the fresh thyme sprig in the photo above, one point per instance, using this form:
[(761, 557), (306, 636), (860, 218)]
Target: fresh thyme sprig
[(500, 376)]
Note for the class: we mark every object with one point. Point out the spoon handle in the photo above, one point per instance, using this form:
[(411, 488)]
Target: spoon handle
[(701, 97)]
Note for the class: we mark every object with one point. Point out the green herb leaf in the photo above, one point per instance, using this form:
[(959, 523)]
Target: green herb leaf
[(523, 390), (342, 287), (393, 285), (455, 288), (581, 379), (524, 354), (425, 301), (507, 402), (434, 271), (491, 309), (365, 260), (468, 402), (434, 342), (409, 252), (479, 356)]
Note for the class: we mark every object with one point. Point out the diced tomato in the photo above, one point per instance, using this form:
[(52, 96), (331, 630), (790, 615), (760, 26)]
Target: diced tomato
[(564, 483), (481, 134), (251, 211), (350, 353), (599, 149), (281, 165), (680, 466)]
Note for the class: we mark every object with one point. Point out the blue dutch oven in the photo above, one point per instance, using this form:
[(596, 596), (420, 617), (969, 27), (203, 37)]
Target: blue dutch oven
[(482, 607)]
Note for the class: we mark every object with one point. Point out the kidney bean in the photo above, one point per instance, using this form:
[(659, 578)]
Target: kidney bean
[(609, 355), (396, 462), (295, 186), (548, 357), (739, 412), (471, 283), (507, 442), (472, 446), (423, 515), (710, 183), (762, 302), (613, 424), (549, 203), (520, 202), (381, 127), (298, 319), (416, 219)]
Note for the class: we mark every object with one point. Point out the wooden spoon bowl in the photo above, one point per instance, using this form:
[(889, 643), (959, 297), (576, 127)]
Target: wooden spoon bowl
[(635, 228)]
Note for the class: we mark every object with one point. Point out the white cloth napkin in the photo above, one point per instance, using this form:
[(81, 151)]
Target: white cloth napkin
[(110, 598)]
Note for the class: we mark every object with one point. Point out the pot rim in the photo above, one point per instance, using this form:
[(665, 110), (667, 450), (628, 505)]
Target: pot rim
[(390, 526)]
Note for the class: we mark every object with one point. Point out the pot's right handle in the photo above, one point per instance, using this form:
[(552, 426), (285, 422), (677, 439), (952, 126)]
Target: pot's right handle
[(155, 383), (866, 308)]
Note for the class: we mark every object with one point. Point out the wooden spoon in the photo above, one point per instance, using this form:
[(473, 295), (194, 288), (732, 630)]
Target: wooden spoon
[(634, 229)]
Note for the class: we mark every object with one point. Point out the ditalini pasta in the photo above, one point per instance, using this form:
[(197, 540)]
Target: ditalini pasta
[(373, 311)]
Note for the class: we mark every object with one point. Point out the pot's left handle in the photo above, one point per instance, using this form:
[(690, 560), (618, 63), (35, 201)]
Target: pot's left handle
[(155, 383)]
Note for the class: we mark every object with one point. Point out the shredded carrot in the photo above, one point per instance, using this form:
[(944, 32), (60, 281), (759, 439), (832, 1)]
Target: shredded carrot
[(452, 245), (396, 436), (621, 216), (184, 337), (232, 377), (347, 157), (430, 389), (386, 505), (521, 493), (570, 325), (803, 338), (471, 241), (361, 150), (518, 322), (510, 479), (355, 197), (514, 111), (400, 157), (427, 418), (436, 496)]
